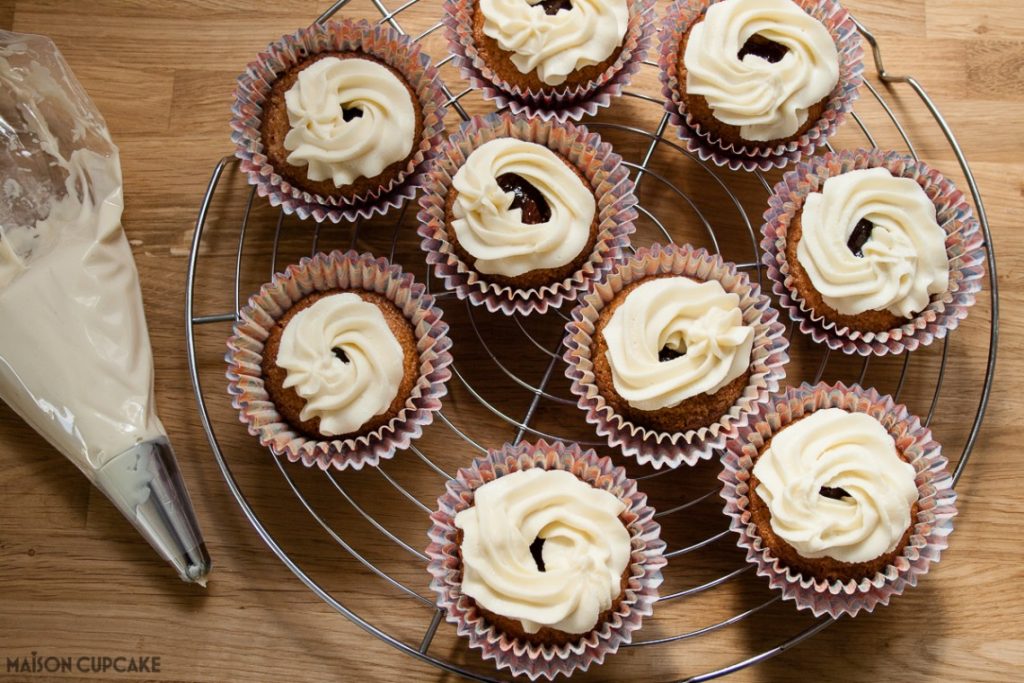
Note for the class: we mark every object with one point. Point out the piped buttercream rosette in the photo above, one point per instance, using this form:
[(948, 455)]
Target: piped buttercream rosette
[(751, 156), (963, 246), (559, 101), (768, 354), (253, 88), (327, 273), (603, 170), (646, 560), (935, 497)]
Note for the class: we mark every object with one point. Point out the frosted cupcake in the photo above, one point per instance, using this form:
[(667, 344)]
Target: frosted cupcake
[(757, 83), (337, 120), (519, 214), (840, 497), (867, 252), (546, 557), (872, 252), (339, 361), (671, 351), (552, 58)]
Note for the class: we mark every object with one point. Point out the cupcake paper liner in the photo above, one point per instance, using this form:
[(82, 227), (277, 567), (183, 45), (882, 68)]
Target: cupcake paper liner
[(964, 248), (646, 561), (560, 102), (253, 88), (608, 178), (325, 272), (672, 449), (933, 524), (750, 157)]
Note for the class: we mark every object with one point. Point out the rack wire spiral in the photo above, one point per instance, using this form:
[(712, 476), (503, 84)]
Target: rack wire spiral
[(378, 518)]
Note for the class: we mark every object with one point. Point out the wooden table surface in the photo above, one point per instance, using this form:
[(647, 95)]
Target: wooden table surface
[(76, 580)]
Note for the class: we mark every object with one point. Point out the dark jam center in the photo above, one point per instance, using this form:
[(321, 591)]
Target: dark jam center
[(762, 47), (527, 198), (860, 236), (536, 549), (834, 492), (552, 7), (340, 354), (349, 113), (667, 354)]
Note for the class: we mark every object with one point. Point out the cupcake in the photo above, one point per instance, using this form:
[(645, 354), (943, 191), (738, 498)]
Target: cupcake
[(519, 214), (758, 82), (840, 497), (872, 251), (341, 124), (552, 58), (339, 360), (335, 120), (866, 251), (670, 351), (545, 556)]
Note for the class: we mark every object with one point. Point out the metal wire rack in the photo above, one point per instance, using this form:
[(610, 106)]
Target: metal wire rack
[(321, 494)]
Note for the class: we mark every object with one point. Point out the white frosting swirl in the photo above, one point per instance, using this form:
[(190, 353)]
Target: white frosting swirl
[(339, 150), (556, 44), (344, 395), (904, 259), (698, 319), (766, 100), (837, 449), (586, 549), (494, 234)]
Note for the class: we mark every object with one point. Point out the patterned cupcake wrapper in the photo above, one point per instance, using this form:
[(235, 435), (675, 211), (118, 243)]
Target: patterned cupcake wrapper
[(672, 449), (561, 102), (608, 178), (646, 561), (750, 157), (937, 500), (253, 88), (964, 248), (324, 272)]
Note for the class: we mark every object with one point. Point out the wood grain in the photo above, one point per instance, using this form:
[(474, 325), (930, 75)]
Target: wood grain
[(76, 580)]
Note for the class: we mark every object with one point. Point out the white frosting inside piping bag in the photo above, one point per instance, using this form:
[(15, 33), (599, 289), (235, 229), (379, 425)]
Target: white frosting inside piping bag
[(766, 100), (75, 359), (697, 319), (344, 394), (556, 44), (841, 450), (339, 150), (586, 549), (494, 234), (904, 260)]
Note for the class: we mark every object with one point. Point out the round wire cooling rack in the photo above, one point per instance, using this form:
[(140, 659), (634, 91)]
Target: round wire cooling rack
[(330, 528)]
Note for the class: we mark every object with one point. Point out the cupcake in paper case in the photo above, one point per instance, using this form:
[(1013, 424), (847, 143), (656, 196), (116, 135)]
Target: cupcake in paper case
[(546, 557), (671, 352), (339, 361), (519, 215), (872, 252), (554, 59), (758, 84), (338, 121), (840, 497)]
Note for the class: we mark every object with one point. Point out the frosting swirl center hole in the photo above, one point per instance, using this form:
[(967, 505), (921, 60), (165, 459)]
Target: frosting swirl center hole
[(340, 354), (552, 7), (668, 353), (349, 113), (526, 197), (762, 47), (537, 550), (833, 492), (860, 236)]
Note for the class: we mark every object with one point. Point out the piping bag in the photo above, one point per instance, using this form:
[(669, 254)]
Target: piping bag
[(75, 359)]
